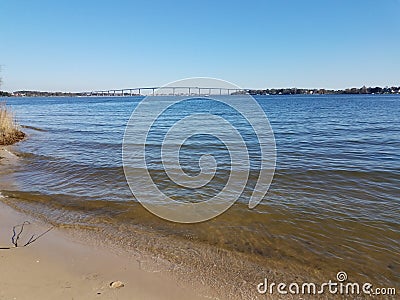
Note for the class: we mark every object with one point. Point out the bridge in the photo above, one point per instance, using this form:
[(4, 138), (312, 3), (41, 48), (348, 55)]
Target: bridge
[(168, 91)]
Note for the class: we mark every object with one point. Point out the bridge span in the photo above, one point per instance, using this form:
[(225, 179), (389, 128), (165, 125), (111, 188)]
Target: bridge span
[(168, 91)]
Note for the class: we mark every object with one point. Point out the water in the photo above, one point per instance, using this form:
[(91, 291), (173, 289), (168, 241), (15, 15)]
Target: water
[(333, 204)]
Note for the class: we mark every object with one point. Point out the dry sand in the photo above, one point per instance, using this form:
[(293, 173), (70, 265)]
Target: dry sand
[(57, 267)]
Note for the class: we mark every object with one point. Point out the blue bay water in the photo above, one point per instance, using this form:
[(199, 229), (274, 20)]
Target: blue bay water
[(333, 204)]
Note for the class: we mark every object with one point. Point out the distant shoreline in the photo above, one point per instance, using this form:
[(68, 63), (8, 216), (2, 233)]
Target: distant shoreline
[(281, 91)]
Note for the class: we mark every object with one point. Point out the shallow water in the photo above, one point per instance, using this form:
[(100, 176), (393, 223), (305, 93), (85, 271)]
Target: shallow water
[(333, 204)]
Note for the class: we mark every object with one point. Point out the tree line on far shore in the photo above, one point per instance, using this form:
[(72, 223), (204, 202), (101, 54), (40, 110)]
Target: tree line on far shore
[(39, 94), (296, 91)]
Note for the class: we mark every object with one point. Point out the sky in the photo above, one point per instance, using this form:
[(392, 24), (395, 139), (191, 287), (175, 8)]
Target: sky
[(90, 45)]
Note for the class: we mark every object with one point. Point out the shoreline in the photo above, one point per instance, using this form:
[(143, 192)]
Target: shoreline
[(363, 90), (60, 265)]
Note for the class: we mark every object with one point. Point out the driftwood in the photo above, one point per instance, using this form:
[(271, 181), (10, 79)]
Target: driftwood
[(17, 232)]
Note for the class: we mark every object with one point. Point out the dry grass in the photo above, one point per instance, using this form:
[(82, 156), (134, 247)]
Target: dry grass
[(10, 132)]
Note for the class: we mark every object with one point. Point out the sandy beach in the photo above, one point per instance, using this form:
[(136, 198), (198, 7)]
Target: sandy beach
[(58, 266)]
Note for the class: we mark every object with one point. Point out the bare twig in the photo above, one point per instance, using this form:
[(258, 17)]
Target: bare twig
[(16, 236), (34, 239)]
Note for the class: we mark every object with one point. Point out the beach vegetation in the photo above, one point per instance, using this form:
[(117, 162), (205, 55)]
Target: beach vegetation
[(10, 132)]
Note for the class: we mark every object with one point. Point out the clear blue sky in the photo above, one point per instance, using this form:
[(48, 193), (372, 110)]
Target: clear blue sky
[(84, 45)]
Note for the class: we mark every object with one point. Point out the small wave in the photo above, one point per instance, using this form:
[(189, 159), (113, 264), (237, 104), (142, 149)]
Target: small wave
[(33, 128), (8, 154)]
